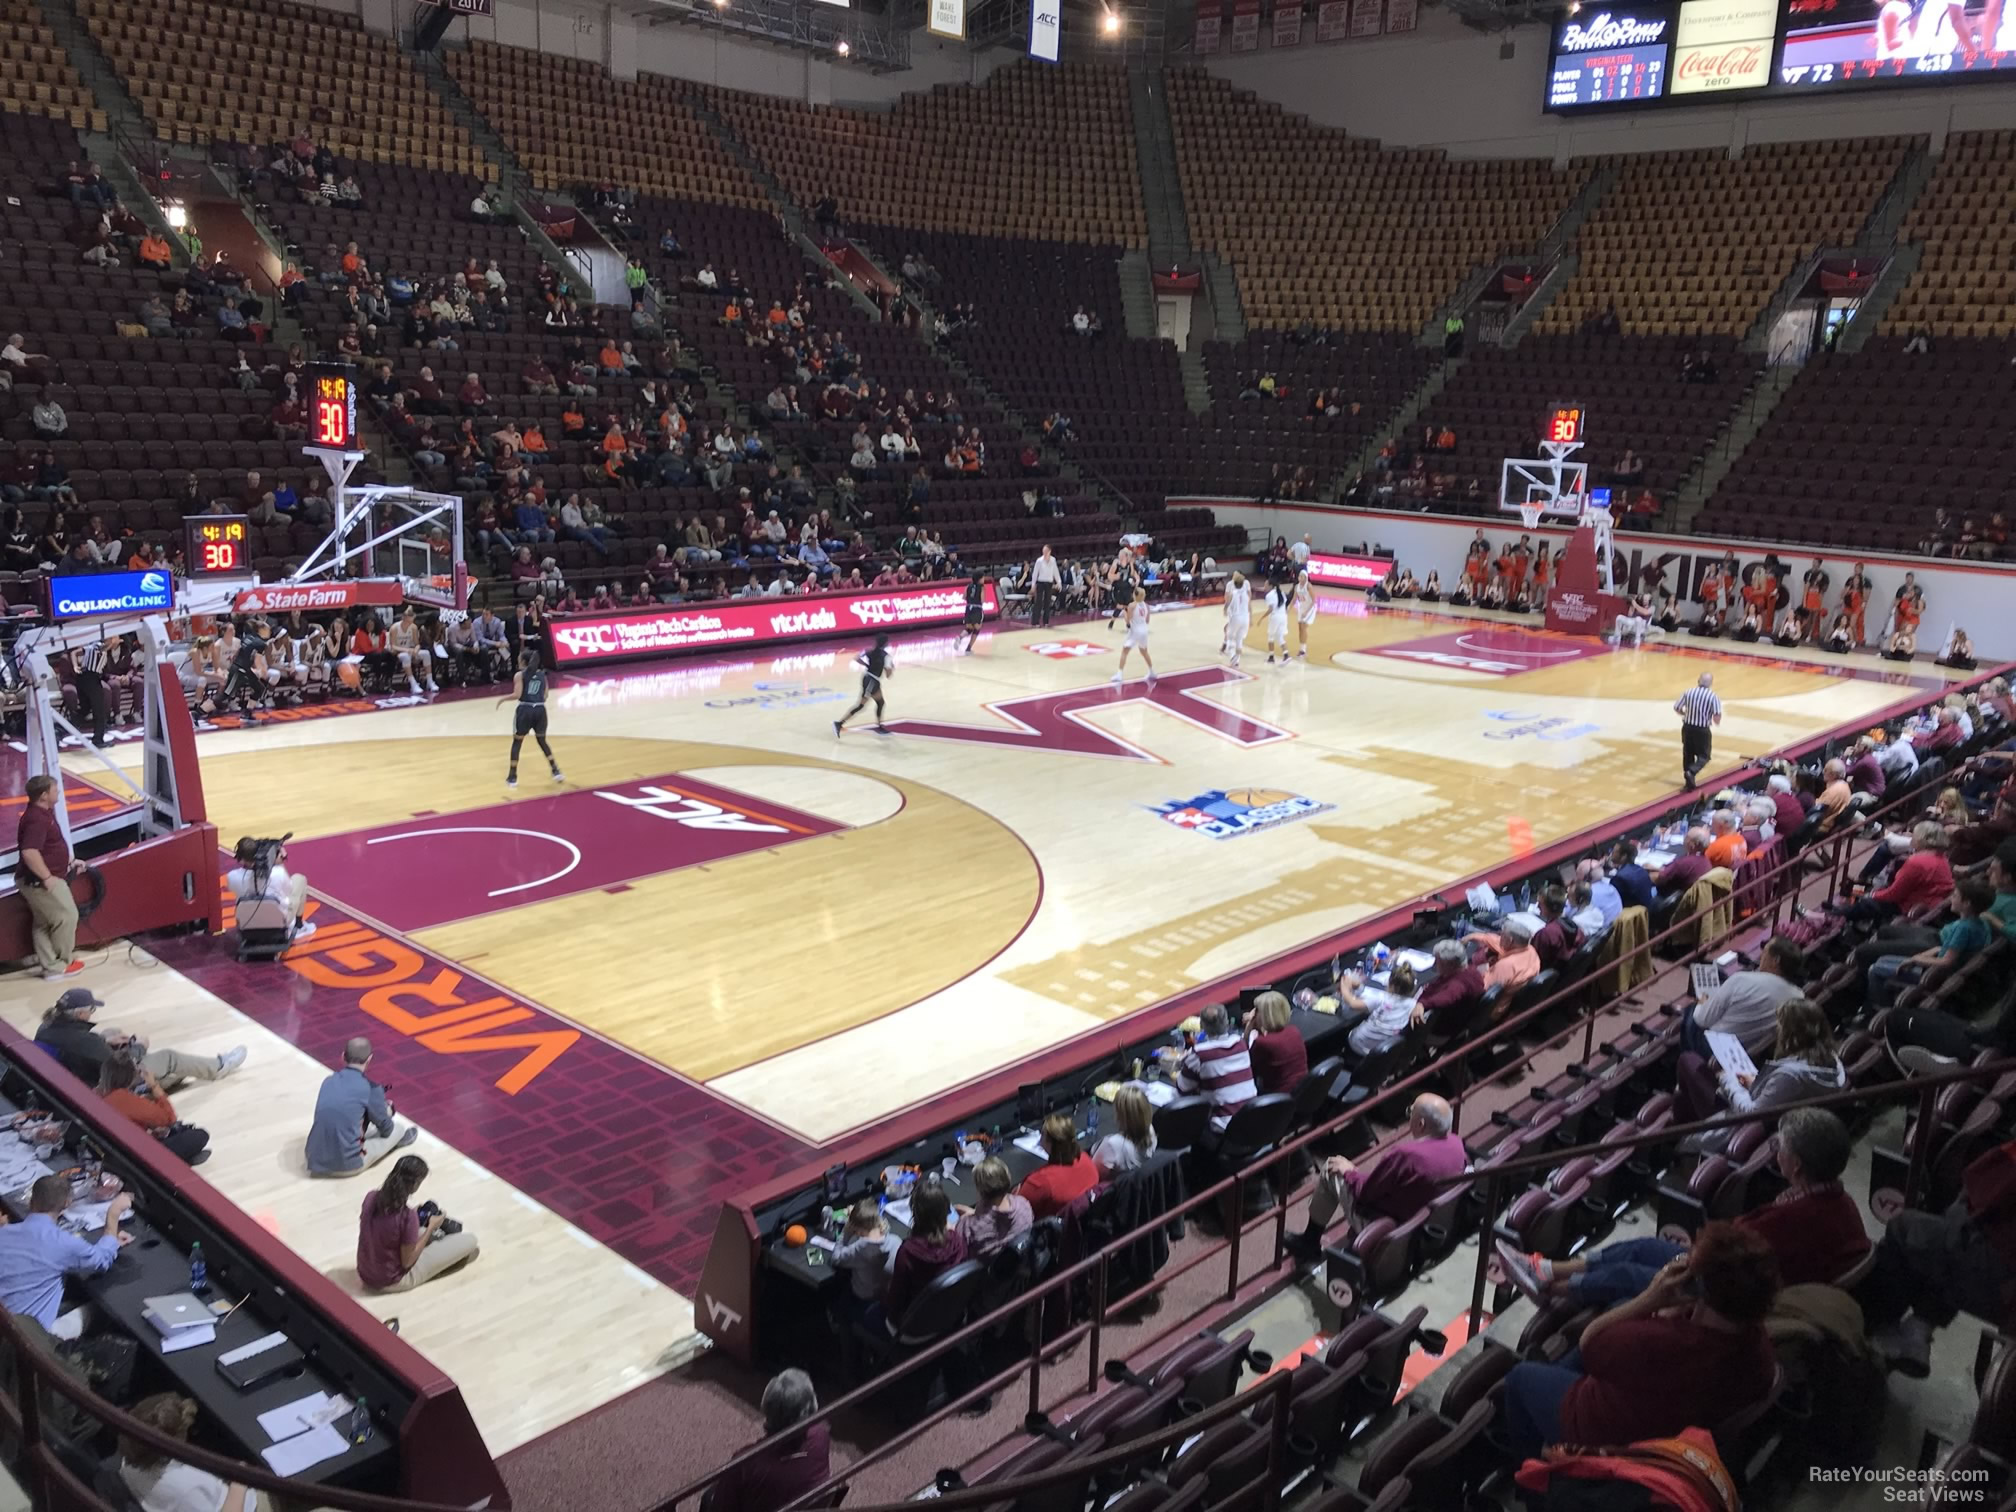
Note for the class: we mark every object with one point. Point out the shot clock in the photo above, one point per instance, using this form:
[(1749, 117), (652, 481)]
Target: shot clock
[(217, 545), (332, 408), (1564, 425)]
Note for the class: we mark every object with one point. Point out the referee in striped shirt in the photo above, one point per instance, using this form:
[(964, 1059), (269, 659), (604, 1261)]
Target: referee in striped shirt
[(87, 663), (1700, 711)]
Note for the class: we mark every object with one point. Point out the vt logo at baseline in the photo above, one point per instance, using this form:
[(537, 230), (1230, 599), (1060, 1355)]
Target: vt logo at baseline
[(1057, 722)]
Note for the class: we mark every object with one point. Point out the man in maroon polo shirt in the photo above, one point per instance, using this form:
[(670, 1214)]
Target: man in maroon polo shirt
[(790, 1460), (44, 880)]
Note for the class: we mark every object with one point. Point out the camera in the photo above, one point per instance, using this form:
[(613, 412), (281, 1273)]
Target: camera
[(260, 856), (431, 1209)]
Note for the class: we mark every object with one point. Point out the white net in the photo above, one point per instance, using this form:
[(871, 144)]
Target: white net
[(1529, 514)]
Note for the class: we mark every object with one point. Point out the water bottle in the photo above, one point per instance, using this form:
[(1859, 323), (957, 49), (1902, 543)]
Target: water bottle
[(360, 1422), (199, 1272), (1381, 956)]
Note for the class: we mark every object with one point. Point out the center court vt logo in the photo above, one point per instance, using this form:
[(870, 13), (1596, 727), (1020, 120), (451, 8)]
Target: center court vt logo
[(1057, 721)]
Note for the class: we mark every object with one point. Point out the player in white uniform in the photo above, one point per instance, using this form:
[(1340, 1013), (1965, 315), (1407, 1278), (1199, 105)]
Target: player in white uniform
[(1238, 615), (1305, 613), (1277, 622), (1137, 636)]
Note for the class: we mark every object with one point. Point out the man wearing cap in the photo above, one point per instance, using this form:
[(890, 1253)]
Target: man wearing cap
[(44, 879), (69, 1033), (354, 1128)]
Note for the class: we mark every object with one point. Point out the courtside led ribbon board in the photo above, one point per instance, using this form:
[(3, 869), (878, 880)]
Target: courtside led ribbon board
[(580, 638), (149, 591), (1046, 27), (1347, 571), (947, 18)]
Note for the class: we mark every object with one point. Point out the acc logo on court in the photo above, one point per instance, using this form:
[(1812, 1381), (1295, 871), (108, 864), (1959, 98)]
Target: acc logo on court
[(1067, 650), (1228, 813)]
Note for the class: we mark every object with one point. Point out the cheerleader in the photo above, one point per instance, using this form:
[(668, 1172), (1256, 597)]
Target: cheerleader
[(1813, 596), (1238, 616), (1855, 602), (1841, 634), (1136, 638), (1431, 590), (1305, 610), (1277, 621), (1543, 574)]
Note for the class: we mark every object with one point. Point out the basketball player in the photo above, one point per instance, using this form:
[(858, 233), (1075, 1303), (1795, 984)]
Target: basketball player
[(1238, 615), (245, 681), (529, 688), (1305, 615), (976, 612), (875, 670), (1126, 576), (1137, 637), (1277, 621)]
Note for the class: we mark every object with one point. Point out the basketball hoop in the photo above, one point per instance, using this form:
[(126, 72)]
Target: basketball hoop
[(1529, 514)]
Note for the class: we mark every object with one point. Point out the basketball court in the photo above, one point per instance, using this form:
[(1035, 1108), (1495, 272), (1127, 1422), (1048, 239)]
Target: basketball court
[(730, 937)]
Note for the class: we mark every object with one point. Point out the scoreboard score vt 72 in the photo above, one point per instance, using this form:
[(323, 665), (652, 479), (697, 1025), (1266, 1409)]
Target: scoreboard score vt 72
[(218, 545), (332, 408)]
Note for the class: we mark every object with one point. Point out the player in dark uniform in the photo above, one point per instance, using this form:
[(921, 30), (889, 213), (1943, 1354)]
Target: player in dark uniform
[(529, 688), (976, 612), (875, 670), (245, 681)]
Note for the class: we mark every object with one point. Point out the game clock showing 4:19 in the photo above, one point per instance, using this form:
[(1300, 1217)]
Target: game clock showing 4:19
[(332, 408), (218, 545)]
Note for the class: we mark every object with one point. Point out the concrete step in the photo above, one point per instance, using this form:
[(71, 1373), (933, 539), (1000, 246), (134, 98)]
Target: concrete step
[(93, 67), (1161, 185), (1699, 486), (1137, 296), (1196, 381)]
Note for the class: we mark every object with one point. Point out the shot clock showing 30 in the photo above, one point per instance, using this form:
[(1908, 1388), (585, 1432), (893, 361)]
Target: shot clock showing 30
[(1564, 425), (332, 408)]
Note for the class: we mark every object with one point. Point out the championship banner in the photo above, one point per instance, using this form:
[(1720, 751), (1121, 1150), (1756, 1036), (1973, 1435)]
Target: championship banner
[(739, 623), (1402, 15), (1245, 25), (1333, 20), (1210, 27), (1288, 23), (947, 18), (1366, 16), (463, 7)]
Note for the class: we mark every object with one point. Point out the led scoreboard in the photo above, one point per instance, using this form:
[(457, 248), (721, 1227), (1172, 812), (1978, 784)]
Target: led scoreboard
[(218, 545), (1564, 425), (332, 408)]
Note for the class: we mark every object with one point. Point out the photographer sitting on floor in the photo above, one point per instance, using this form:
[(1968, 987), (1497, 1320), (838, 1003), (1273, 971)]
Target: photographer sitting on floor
[(129, 1088), (399, 1247), (258, 876)]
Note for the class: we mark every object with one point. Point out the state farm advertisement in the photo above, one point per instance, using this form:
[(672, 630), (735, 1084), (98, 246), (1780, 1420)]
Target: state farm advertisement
[(1346, 571), (285, 598), (758, 621)]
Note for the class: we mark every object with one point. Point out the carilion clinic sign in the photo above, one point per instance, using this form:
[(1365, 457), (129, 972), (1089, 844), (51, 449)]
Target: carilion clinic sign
[(76, 596)]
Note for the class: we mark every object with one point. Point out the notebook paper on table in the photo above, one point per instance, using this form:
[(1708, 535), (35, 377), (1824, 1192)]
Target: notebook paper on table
[(292, 1456)]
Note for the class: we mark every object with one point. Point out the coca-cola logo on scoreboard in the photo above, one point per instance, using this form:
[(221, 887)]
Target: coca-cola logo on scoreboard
[(1723, 46)]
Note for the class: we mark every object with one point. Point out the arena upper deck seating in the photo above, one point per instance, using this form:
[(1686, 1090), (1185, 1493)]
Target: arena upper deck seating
[(1696, 243), (1966, 279), (569, 123), (1333, 229), (1036, 152), (293, 69), (36, 75)]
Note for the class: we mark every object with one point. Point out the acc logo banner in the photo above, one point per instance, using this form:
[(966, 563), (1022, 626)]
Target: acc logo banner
[(1226, 814)]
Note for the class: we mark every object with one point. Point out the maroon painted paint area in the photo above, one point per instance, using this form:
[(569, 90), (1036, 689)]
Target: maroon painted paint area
[(435, 869), (1056, 721)]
